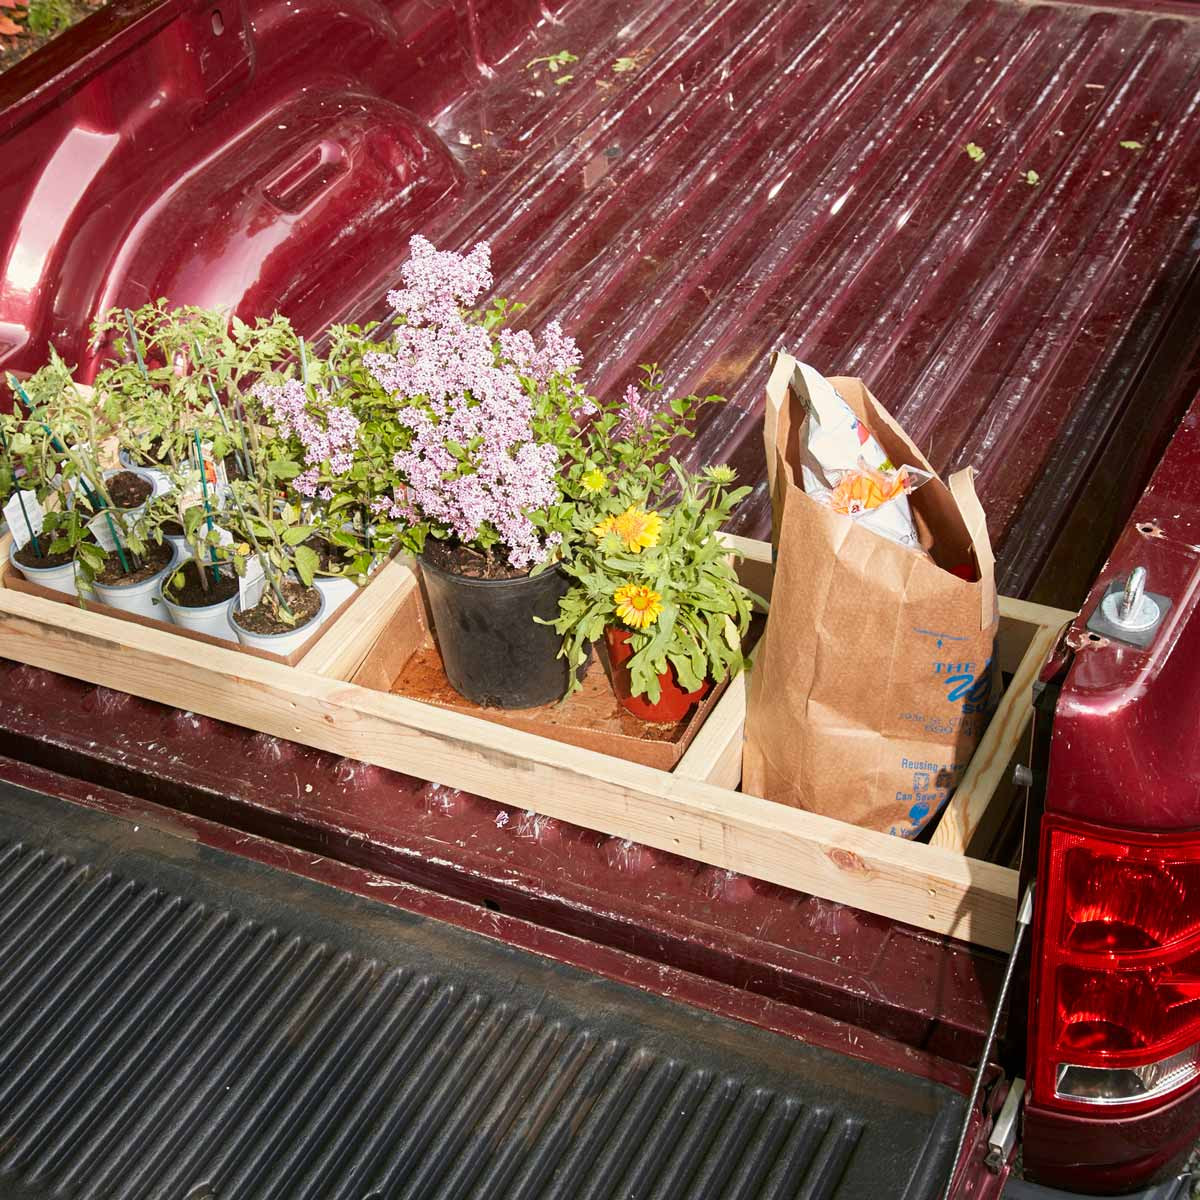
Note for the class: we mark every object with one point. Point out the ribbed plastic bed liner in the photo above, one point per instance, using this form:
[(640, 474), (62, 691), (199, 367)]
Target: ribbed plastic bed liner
[(179, 1022)]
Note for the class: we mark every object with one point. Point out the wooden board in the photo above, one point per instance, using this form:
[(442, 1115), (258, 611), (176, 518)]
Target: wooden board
[(590, 718), (929, 886), (336, 648)]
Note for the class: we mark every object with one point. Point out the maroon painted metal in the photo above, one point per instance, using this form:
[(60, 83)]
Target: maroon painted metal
[(769, 173), (1123, 754), (1125, 734)]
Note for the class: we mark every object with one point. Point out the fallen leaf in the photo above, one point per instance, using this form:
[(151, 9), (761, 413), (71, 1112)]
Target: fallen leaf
[(1032, 178), (552, 61), (8, 27), (563, 79), (975, 153), (631, 62), (1132, 146)]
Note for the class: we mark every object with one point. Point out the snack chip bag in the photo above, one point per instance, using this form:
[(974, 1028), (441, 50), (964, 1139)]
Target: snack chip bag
[(843, 466)]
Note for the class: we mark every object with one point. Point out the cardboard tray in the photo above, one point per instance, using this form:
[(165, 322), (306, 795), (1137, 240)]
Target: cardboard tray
[(337, 698)]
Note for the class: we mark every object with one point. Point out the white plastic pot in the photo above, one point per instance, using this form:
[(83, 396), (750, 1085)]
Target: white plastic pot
[(160, 479), (212, 619), (142, 597), (151, 477), (279, 643), (336, 589), (60, 579)]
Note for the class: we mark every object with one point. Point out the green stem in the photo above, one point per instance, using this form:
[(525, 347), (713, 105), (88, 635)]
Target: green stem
[(267, 566), (37, 549)]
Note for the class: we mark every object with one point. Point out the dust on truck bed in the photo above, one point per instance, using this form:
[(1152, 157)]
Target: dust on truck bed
[(778, 174)]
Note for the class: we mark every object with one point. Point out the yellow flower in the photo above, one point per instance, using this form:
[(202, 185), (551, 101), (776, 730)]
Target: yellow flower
[(636, 527), (637, 605), (594, 481)]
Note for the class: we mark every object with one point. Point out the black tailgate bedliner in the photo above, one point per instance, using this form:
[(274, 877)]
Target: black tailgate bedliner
[(177, 1021)]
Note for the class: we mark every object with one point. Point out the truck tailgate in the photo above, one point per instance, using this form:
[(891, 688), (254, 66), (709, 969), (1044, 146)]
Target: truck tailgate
[(178, 1020)]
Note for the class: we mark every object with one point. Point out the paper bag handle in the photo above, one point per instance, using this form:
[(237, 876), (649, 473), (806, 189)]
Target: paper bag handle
[(776, 421), (962, 488)]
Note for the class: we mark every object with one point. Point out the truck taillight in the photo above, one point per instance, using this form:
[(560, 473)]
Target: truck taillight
[(1117, 967)]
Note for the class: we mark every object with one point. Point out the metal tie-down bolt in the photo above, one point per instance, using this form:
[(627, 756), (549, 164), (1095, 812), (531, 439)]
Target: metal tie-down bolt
[(1131, 608), (1131, 598)]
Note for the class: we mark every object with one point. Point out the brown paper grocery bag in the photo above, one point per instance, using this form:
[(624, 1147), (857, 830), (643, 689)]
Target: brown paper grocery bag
[(874, 680)]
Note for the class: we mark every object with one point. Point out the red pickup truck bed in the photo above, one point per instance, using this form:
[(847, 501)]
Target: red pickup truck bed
[(763, 174), (713, 180)]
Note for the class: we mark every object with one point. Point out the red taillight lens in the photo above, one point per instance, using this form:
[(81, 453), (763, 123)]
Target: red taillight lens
[(1117, 975)]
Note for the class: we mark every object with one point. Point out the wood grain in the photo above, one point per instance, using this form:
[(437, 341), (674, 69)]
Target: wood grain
[(1037, 628), (927, 886), (355, 628)]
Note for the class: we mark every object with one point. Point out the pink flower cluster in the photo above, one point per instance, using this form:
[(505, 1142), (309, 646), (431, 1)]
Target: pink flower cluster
[(638, 413), (439, 283), (557, 355), (473, 463), (328, 438)]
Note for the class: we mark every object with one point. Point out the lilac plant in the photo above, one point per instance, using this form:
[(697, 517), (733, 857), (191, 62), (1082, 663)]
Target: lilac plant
[(475, 408), (326, 433), (473, 432)]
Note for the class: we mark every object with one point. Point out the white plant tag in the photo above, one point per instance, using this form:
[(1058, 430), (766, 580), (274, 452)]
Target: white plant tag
[(101, 527), (225, 538), (22, 530), (251, 585)]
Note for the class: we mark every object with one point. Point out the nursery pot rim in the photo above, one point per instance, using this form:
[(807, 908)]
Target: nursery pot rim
[(234, 600), (156, 578), (195, 608), (472, 581), (12, 558)]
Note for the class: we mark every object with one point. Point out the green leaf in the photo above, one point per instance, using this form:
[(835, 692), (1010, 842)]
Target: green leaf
[(307, 562), (1032, 178), (975, 153), (1132, 145), (92, 555), (283, 468), (298, 533)]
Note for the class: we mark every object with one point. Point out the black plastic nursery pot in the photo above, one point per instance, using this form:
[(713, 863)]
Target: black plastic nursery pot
[(493, 651)]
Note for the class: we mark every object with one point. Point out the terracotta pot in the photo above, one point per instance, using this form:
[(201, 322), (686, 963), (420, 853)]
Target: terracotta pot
[(673, 702)]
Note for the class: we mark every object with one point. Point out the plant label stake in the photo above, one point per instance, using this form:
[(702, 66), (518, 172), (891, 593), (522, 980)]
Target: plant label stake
[(30, 525), (101, 529), (251, 585), (212, 550)]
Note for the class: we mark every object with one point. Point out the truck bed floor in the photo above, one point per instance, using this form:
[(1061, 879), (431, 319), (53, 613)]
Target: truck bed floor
[(176, 1021), (720, 178)]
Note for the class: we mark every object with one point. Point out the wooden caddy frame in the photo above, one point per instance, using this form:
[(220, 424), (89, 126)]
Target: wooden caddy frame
[(692, 811)]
